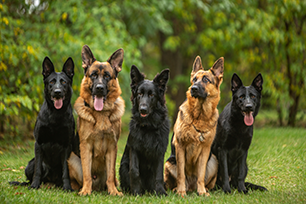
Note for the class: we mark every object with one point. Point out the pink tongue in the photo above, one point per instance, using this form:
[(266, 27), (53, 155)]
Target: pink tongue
[(58, 103), (248, 119), (98, 103)]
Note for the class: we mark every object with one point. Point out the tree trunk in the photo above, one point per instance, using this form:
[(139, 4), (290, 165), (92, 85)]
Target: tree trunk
[(279, 113), (175, 62)]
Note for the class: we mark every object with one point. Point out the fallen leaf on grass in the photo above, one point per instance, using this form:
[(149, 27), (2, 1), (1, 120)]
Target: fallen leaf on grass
[(273, 177), (22, 167), (7, 169), (18, 193)]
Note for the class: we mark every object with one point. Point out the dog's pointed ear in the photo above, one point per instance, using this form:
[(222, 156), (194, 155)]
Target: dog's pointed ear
[(236, 82), (87, 58), (116, 60), (68, 68), (162, 79), (136, 76), (257, 82), (48, 67), (218, 69), (197, 65)]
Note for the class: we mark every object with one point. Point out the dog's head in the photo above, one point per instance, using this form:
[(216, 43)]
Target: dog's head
[(101, 75), (58, 89), (247, 98), (206, 83), (148, 95)]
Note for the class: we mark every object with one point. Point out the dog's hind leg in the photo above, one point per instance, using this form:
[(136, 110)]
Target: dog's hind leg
[(211, 172), (170, 175), (124, 170), (29, 171), (75, 171)]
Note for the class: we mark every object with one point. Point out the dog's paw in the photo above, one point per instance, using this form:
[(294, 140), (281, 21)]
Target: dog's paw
[(181, 193), (136, 193), (68, 189), (203, 193), (35, 185), (115, 192), (84, 192), (161, 192), (245, 191), (241, 188), (226, 189)]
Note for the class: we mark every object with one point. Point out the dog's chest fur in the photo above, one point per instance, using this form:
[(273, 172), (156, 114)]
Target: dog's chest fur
[(103, 123), (201, 128)]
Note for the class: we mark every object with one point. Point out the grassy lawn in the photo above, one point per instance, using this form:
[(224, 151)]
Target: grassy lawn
[(276, 160)]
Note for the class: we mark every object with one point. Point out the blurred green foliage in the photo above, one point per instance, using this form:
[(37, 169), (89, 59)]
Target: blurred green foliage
[(266, 36)]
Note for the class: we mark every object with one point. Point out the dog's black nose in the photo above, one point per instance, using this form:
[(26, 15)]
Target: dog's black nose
[(57, 91), (249, 106), (99, 87), (194, 88), (143, 109)]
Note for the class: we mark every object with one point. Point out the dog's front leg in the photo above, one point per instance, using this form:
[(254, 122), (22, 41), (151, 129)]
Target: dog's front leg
[(110, 170), (242, 168), (86, 160), (65, 172), (135, 180), (38, 167), (159, 177), (180, 159), (201, 170), (222, 155)]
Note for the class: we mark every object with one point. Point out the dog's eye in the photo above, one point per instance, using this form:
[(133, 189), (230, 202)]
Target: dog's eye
[(140, 94), (252, 96), (241, 97), (94, 75), (63, 82), (151, 95), (52, 82), (205, 79), (106, 76)]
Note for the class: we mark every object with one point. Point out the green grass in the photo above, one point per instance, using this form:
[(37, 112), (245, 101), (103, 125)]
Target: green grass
[(276, 160)]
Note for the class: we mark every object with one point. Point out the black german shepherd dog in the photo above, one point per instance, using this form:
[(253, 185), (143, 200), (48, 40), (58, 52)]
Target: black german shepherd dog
[(141, 167), (54, 129), (234, 135)]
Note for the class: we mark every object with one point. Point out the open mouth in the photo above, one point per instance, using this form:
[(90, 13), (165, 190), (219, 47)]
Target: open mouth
[(58, 102), (143, 115), (98, 103), (248, 118)]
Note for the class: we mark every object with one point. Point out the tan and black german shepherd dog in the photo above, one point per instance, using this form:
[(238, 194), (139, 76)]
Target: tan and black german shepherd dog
[(191, 166), (99, 108)]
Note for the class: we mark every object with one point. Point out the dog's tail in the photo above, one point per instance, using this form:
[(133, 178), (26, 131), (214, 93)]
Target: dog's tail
[(172, 146), (17, 183), (254, 187), (172, 158)]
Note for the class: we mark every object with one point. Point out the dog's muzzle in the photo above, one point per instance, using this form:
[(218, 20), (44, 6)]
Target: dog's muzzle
[(57, 98), (143, 109)]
